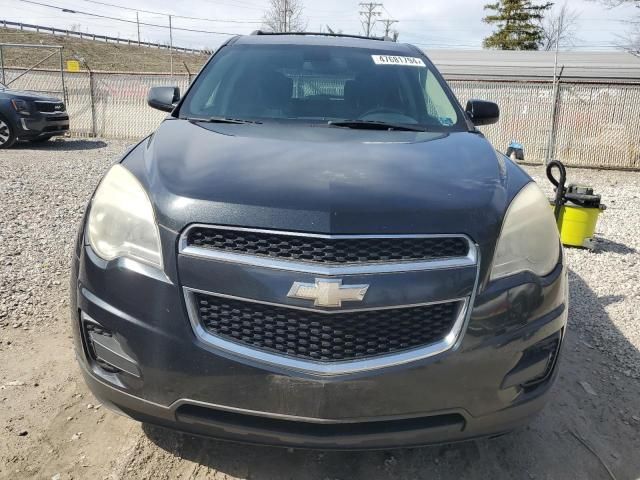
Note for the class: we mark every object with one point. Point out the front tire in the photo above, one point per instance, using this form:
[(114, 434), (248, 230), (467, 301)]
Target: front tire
[(7, 134)]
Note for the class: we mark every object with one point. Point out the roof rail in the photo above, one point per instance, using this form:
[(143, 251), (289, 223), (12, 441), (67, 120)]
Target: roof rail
[(323, 34)]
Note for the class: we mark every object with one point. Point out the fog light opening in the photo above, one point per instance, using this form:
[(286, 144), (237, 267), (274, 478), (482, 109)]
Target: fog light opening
[(105, 350), (536, 364), (89, 327)]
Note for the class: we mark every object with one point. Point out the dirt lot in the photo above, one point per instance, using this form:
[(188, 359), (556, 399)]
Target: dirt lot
[(51, 426)]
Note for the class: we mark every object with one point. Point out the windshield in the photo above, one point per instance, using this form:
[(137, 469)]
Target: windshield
[(329, 84)]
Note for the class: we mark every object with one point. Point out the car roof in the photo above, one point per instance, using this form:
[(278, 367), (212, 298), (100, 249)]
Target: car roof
[(327, 40)]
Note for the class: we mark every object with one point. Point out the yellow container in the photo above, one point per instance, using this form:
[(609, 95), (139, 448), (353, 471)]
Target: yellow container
[(577, 225), (73, 66)]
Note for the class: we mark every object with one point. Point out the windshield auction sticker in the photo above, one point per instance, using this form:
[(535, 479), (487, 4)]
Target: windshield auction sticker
[(396, 60)]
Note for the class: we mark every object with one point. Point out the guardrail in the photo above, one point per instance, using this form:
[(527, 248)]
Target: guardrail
[(93, 36)]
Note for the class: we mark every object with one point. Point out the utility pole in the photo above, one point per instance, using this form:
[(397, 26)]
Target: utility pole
[(554, 98), (387, 26), (369, 15), (287, 16), (138, 23), (286, 7), (171, 45)]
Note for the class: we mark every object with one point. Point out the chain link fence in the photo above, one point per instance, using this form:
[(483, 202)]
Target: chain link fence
[(593, 125)]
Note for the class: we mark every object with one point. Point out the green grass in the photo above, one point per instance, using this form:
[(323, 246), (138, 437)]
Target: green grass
[(98, 55)]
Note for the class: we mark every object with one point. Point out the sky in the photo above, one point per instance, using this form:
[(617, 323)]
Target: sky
[(431, 24)]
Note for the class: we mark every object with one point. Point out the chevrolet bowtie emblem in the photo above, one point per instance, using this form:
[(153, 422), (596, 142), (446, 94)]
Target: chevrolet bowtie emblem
[(328, 293)]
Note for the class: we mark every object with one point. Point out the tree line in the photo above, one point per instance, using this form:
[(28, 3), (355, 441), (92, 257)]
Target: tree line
[(518, 24)]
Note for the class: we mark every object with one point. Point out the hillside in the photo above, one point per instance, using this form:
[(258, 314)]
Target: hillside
[(98, 55)]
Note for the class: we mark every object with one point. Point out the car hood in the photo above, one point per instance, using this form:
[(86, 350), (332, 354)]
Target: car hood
[(323, 179), (24, 95)]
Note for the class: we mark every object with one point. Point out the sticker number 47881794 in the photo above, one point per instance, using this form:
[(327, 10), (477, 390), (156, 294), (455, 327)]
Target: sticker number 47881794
[(397, 60)]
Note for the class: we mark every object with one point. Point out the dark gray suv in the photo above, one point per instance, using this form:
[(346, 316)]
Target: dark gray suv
[(317, 248), (30, 116)]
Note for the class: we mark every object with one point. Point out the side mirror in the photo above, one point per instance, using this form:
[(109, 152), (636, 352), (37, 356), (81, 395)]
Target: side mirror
[(482, 112), (163, 98)]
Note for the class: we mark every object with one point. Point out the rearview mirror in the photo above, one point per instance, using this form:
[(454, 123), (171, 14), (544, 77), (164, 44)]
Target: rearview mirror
[(163, 98), (482, 112)]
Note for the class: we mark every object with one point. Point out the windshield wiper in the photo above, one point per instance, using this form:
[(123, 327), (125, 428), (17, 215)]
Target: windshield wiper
[(235, 121), (374, 125)]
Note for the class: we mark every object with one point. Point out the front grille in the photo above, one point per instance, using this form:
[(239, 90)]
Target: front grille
[(328, 250), (325, 337), (50, 107), (60, 118), (191, 415), (56, 128)]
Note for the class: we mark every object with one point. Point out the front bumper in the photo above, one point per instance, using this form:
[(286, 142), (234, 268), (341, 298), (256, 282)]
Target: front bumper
[(40, 125), (460, 394), (248, 426)]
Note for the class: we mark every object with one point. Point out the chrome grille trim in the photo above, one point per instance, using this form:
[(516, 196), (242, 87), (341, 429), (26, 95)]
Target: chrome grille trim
[(471, 259), (317, 310), (214, 343), (219, 345)]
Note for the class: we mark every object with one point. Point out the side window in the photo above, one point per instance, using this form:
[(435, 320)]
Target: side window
[(438, 104)]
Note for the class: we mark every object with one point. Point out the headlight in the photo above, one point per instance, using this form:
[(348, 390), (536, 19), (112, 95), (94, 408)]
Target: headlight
[(20, 106), (529, 240), (121, 220)]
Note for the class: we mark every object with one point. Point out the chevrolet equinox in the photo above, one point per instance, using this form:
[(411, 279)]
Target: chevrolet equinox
[(318, 248)]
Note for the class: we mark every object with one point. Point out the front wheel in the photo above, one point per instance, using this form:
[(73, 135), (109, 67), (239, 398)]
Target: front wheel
[(7, 135)]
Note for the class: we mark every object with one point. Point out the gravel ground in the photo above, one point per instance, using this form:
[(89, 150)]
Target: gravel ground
[(605, 294), (43, 196), (51, 426)]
